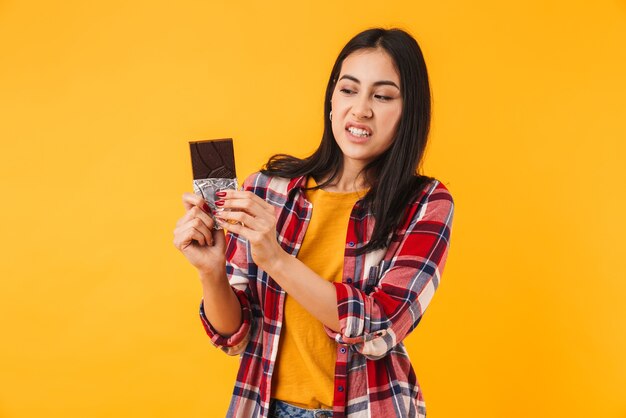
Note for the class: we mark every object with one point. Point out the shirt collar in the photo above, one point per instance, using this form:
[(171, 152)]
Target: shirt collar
[(296, 183)]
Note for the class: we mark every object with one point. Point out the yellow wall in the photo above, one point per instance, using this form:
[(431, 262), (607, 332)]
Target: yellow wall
[(98, 310)]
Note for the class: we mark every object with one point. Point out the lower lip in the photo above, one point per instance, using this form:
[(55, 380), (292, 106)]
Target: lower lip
[(357, 139)]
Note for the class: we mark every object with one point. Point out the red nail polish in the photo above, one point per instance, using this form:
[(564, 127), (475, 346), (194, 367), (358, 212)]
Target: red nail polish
[(207, 209), (220, 203), (220, 194)]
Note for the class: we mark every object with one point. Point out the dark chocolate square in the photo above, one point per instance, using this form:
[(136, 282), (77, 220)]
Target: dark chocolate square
[(213, 158)]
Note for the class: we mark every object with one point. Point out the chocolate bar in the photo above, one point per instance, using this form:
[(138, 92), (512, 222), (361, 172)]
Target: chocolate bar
[(213, 158), (213, 166)]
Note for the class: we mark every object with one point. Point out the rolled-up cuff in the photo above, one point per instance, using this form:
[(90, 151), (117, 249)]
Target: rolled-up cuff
[(352, 317), (354, 328)]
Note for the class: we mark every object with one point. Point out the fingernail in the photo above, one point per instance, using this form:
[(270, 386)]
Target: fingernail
[(220, 203), (220, 194), (207, 209)]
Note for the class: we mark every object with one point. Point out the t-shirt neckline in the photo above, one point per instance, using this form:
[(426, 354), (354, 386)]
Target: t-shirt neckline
[(312, 183)]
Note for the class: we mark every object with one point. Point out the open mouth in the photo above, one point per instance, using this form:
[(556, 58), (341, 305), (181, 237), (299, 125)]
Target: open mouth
[(360, 133)]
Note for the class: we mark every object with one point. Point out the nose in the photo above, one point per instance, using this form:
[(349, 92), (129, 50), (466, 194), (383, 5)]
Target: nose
[(362, 108)]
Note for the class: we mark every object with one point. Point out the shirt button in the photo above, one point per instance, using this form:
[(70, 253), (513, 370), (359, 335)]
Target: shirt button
[(343, 350), (351, 244), (349, 280), (340, 388)]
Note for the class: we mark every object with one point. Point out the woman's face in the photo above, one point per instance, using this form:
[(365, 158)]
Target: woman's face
[(366, 105)]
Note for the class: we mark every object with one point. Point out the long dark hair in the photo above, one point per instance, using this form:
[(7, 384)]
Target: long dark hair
[(393, 176)]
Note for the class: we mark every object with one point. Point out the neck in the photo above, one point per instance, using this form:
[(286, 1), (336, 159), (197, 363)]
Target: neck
[(349, 179)]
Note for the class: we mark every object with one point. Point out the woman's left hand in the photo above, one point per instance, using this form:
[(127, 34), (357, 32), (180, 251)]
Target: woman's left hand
[(257, 224)]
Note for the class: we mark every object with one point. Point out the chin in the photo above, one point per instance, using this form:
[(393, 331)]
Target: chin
[(358, 157)]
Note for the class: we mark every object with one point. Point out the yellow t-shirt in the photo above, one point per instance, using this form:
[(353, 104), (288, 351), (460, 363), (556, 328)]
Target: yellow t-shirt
[(305, 367)]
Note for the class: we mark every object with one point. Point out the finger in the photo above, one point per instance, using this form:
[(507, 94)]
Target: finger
[(191, 199), (199, 225), (246, 201), (219, 238), (248, 221), (196, 212), (238, 229), (204, 229), (243, 194), (242, 205), (186, 237), (250, 235)]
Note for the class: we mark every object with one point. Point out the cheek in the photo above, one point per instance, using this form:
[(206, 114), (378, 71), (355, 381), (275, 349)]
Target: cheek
[(391, 121), (336, 125), (337, 105)]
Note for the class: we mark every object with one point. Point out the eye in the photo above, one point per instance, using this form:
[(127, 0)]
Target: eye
[(347, 91), (383, 98)]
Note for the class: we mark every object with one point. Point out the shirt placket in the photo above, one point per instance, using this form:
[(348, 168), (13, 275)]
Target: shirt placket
[(341, 366), (280, 305)]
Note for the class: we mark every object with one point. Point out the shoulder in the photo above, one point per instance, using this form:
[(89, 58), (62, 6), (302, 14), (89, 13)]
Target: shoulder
[(265, 185), (436, 191), (255, 181), (433, 202)]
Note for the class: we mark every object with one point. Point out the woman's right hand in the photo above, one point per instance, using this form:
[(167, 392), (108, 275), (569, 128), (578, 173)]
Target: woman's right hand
[(195, 237)]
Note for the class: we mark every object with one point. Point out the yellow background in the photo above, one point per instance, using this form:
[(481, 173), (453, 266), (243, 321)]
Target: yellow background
[(98, 100)]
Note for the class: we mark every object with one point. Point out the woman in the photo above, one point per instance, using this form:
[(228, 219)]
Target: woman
[(332, 259)]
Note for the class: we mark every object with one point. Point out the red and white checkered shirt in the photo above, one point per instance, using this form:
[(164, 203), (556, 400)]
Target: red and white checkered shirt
[(382, 297)]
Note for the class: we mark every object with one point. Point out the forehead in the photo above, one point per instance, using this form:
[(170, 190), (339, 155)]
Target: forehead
[(370, 65)]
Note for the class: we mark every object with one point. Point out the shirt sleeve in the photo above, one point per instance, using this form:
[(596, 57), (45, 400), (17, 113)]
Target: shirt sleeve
[(373, 324), (238, 273)]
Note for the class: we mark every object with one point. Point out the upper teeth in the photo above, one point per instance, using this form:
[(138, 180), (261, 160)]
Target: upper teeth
[(358, 132)]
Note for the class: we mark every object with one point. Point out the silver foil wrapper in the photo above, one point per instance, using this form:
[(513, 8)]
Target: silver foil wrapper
[(208, 187)]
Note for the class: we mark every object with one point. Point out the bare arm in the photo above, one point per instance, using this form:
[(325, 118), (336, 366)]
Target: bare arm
[(257, 223), (221, 306), (313, 292), (204, 247)]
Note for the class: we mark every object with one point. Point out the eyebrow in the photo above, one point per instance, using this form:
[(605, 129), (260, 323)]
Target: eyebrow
[(378, 83)]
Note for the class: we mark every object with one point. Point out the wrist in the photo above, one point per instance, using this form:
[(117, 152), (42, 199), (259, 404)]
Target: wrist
[(278, 264), (213, 275)]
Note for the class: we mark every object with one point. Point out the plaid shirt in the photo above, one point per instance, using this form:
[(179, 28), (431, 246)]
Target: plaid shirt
[(382, 297)]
